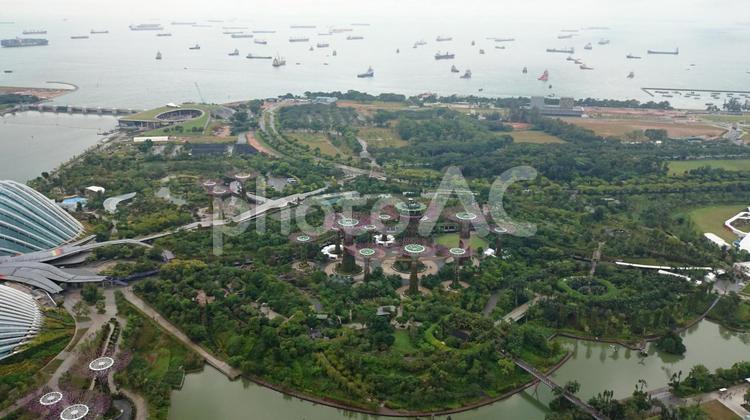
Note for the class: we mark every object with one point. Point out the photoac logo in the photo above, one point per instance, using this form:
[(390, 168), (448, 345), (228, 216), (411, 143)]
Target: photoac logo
[(231, 214)]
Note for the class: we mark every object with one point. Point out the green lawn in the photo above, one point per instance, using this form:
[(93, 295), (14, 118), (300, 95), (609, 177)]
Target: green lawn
[(378, 137), (534, 136), (715, 410), (450, 240), (743, 119), (315, 140), (711, 219), (679, 167), (747, 289), (403, 343)]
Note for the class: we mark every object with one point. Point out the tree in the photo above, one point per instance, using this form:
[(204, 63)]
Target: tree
[(671, 343), (90, 293)]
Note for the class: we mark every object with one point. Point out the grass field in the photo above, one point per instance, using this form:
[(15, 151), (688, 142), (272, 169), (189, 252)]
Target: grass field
[(377, 137), (711, 219), (315, 140), (403, 343), (534, 136), (679, 167), (746, 289), (618, 127), (450, 240), (742, 119), (718, 411)]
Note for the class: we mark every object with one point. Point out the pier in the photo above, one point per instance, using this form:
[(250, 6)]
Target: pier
[(76, 109)]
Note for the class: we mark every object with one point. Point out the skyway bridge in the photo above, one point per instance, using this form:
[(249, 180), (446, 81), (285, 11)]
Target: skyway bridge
[(541, 377)]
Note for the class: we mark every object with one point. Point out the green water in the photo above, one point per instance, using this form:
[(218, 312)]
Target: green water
[(596, 366)]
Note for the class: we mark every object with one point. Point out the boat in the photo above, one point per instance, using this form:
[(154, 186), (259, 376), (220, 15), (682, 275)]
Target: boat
[(311, 48), (322, 45), (454, 69), (258, 57), (241, 35), (571, 31), (567, 36), (525, 70), (164, 34), (544, 77), (299, 39), (603, 41), (354, 37), (158, 55), (481, 51), (234, 53), (260, 41), (79, 37), (585, 67), (499, 47), (473, 43), (95, 32), (231, 32), (302, 26), (504, 39), (675, 52), (235, 27), (329, 33), (7, 71), (443, 38), (446, 56), (633, 57), (369, 73), (264, 31), (631, 75), (184, 23), (34, 32), (420, 43), (278, 62), (195, 47), (398, 51), (466, 75), (562, 50), (340, 30), (360, 24), (23, 42), (334, 53), (577, 61), (146, 27), (570, 58), (588, 46)]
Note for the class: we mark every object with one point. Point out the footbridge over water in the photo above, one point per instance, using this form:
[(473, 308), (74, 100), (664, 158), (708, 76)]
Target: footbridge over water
[(77, 109), (541, 377)]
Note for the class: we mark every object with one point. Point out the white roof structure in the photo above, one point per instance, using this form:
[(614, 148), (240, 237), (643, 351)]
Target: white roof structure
[(20, 320), (154, 139), (96, 189), (716, 240), (745, 243)]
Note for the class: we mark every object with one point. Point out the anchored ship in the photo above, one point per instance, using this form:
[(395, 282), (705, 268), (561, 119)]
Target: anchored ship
[(322, 45), (567, 36), (146, 27), (95, 32), (603, 41), (561, 50), (588, 46), (258, 57), (241, 35), (234, 53), (454, 69), (631, 75), (446, 56), (34, 32), (264, 31), (23, 42), (466, 75), (504, 39), (164, 34), (195, 47), (633, 57), (354, 37), (585, 67), (260, 41), (299, 39), (158, 55), (79, 37), (544, 77), (278, 61), (302, 26), (499, 47), (369, 73), (675, 52), (443, 38)]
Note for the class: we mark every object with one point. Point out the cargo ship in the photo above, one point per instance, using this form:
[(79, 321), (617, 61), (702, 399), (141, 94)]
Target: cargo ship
[(369, 73), (603, 42), (184, 23), (146, 27), (675, 52), (446, 56), (299, 39), (278, 62), (633, 57), (566, 36), (234, 53), (544, 77), (443, 38), (164, 34), (504, 39), (585, 67), (322, 45), (195, 47), (260, 41), (340, 30), (466, 75), (360, 24), (234, 27), (34, 32), (561, 50), (499, 47), (302, 26), (242, 35), (79, 37), (258, 57), (95, 32), (264, 31), (23, 42), (354, 37)]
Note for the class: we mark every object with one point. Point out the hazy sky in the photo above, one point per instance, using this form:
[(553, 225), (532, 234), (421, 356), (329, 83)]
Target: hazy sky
[(562, 11)]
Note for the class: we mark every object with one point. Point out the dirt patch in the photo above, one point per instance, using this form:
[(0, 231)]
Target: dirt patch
[(223, 131), (618, 127), (253, 141)]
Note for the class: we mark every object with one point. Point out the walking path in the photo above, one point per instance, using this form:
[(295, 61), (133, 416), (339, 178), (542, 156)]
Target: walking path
[(212, 360)]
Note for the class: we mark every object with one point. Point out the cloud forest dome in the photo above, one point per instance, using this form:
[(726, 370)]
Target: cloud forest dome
[(30, 222), (20, 319)]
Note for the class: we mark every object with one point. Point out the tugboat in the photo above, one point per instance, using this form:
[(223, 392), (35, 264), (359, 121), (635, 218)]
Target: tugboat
[(158, 55), (633, 57), (525, 70), (369, 73), (466, 75), (588, 46), (631, 75), (454, 69), (195, 47), (446, 56), (278, 62), (234, 53), (544, 77)]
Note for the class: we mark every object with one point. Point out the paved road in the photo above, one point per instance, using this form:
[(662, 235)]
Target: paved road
[(212, 360)]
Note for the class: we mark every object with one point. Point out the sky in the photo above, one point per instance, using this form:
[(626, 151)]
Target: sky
[(574, 11)]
